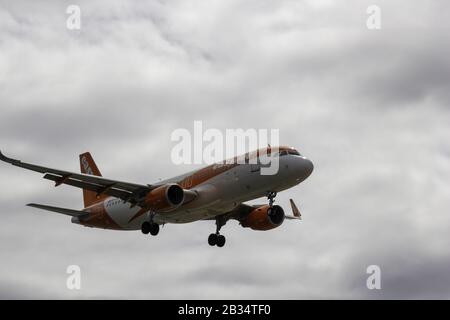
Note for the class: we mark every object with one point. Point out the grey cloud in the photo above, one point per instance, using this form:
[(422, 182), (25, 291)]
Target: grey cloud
[(370, 108)]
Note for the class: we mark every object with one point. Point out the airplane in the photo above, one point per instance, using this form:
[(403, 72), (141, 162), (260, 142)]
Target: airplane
[(215, 192)]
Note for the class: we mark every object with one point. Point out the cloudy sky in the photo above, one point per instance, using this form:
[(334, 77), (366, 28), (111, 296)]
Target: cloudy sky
[(369, 107)]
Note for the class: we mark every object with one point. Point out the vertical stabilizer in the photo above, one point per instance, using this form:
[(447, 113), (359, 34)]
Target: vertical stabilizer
[(88, 166)]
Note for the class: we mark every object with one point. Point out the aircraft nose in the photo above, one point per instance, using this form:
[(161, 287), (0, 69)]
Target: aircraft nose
[(309, 167), (305, 168)]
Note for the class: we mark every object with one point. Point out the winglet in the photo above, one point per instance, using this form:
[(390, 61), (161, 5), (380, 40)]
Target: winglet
[(295, 210), (2, 156), (6, 159)]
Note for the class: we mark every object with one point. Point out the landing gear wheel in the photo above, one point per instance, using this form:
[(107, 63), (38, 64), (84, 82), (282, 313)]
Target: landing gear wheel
[(212, 239), (216, 239), (154, 229), (220, 241), (145, 227)]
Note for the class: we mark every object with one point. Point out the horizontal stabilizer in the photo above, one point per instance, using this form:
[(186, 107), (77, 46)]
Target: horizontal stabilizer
[(69, 212)]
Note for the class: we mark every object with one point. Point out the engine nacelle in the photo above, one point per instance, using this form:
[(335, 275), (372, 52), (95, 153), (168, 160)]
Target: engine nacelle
[(264, 218), (165, 198)]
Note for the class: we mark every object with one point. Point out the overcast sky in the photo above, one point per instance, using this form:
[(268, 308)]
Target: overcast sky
[(370, 108)]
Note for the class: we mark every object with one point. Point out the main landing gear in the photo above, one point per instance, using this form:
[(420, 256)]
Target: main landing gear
[(150, 227), (216, 239)]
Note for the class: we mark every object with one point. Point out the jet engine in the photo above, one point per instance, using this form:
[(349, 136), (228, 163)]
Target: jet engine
[(165, 198), (264, 218)]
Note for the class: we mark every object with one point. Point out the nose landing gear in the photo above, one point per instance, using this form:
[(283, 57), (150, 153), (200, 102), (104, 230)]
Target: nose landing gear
[(216, 239), (271, 196)]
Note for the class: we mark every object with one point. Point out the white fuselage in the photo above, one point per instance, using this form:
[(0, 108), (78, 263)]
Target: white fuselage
[(220, 194)]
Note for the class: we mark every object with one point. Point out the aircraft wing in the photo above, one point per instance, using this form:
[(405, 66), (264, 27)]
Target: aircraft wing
[(242, 210), (129, 192)]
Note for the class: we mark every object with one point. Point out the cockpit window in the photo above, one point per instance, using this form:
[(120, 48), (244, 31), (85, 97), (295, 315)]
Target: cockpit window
[(289, 151)]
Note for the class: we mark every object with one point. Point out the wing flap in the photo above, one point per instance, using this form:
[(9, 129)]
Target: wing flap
[(100, 189)]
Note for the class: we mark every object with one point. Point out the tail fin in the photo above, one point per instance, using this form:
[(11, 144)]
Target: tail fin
[(88, 166)]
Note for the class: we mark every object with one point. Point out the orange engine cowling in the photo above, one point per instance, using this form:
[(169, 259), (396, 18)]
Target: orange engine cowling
[(165, 198), (264, 218)]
